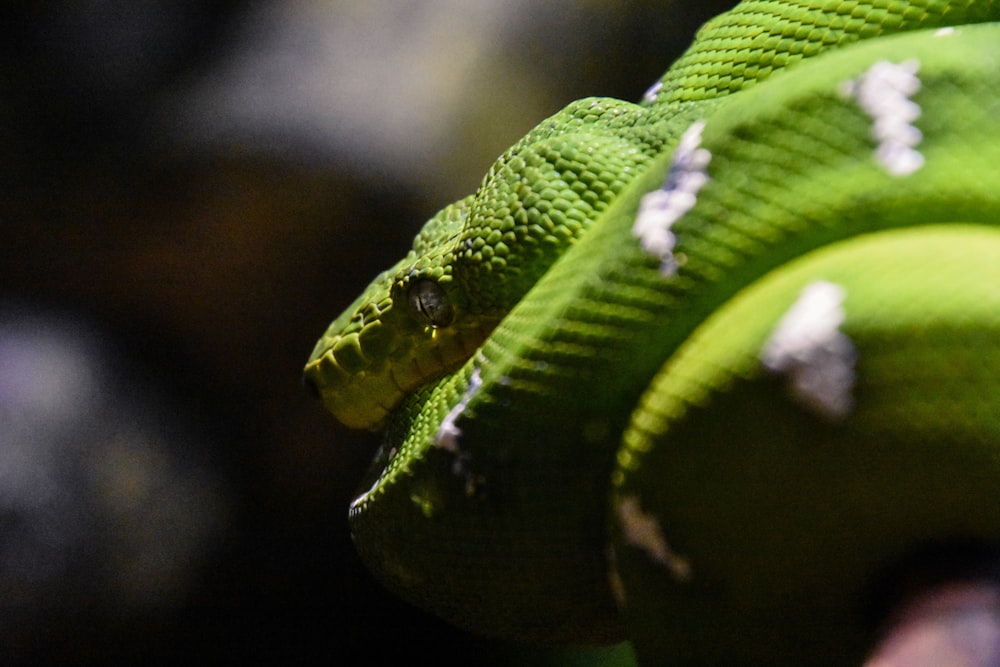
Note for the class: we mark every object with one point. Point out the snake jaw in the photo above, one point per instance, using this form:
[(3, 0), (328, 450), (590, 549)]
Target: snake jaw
[(380, 350), (411, 326), (362, 397)]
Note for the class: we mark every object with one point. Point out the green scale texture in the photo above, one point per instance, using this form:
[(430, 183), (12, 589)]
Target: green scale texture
[(605, 384)]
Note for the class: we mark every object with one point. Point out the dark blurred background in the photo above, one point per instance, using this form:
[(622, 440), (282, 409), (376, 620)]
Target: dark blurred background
[(189, 193)]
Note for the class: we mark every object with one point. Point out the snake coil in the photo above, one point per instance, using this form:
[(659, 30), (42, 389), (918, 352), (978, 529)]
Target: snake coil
[(694, 371)]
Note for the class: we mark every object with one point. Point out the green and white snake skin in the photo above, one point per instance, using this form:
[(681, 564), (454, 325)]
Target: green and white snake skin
[(694, 371)]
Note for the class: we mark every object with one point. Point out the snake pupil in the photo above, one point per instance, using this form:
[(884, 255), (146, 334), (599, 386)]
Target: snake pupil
[(430, 303)]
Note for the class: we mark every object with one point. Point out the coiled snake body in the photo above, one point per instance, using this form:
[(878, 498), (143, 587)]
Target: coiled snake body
[(694, 370)]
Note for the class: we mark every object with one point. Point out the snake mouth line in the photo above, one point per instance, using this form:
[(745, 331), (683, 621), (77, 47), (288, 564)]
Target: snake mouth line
[(361, 393)]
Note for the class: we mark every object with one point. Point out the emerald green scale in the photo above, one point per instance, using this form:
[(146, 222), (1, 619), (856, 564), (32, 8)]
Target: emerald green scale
[(501, 472), (756, 39), (482, 254), (544, 209), (782, 487), (561, 372), (544, 194)]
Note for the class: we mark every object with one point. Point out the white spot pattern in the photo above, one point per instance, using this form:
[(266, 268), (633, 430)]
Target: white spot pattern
[(884, 92), (649, 97), (446, 438), (808, 347), (447, 434), (641, 529), (660, 209)]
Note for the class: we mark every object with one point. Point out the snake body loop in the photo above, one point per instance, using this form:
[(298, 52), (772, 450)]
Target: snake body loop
[(693, 371)]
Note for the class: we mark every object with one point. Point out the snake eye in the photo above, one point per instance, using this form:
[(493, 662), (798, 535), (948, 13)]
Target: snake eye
[(430, 303)]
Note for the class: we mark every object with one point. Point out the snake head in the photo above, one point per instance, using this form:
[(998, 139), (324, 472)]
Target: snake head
[(410, 327)]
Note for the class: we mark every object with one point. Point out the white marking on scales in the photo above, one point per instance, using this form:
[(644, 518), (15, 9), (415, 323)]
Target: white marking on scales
[(808, 347), (448, 434), (884, 92), (660, 209), (649, 97), (642, 530)]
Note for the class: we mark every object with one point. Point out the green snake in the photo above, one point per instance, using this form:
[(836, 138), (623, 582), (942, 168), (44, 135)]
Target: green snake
[(695, 371)]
